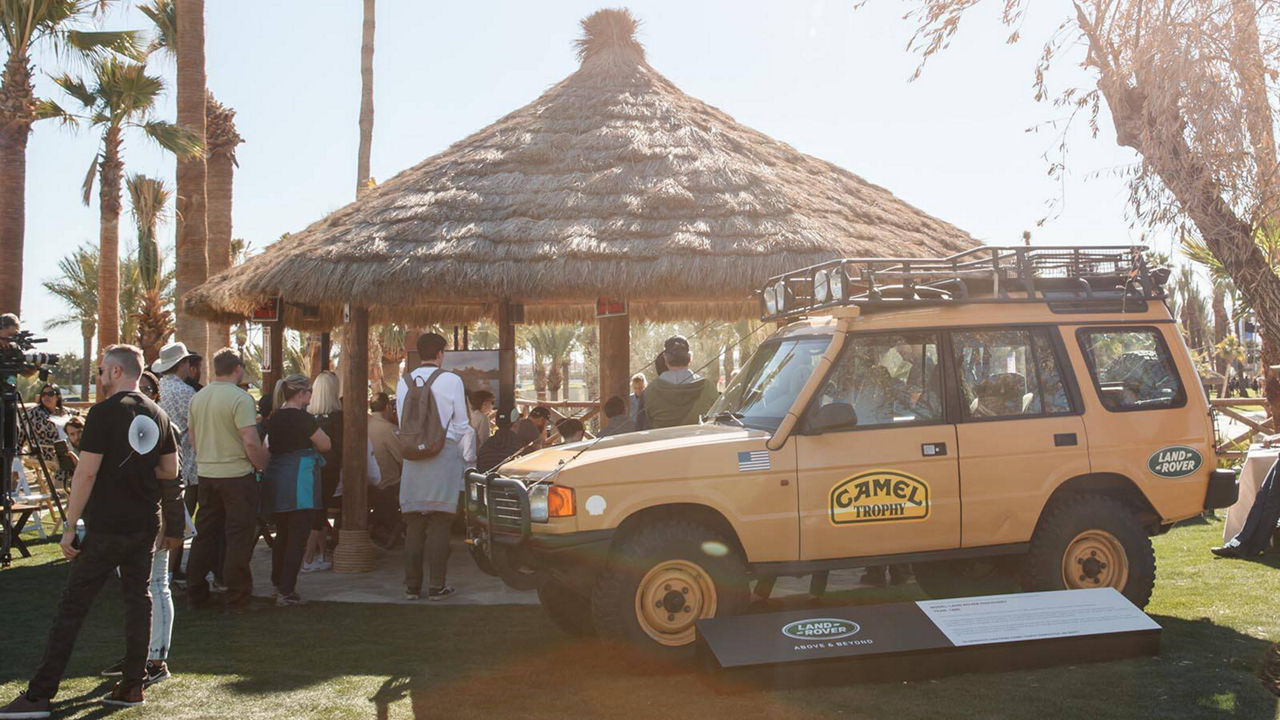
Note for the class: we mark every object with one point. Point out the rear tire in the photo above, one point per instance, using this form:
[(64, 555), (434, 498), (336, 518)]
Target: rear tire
[(1089, 541), (661, 579), (569, 610)]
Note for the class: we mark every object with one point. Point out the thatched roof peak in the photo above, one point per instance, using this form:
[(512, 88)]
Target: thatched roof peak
[(612, 183), (610, 33)]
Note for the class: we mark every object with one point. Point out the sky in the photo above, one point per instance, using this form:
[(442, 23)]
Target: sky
[(826, 77)]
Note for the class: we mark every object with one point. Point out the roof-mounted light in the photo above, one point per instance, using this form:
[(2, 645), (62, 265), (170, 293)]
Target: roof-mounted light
[(821, 289)]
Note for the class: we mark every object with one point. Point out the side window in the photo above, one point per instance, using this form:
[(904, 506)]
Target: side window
[(891, 379), (1132, 369), (1008, 373)]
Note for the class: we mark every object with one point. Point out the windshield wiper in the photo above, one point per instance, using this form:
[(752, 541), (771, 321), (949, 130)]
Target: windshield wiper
[(727, 416)]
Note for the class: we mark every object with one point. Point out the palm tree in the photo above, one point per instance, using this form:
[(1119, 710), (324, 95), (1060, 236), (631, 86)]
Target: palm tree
[(77, 287), (551, 346), (122, 96), (366, 100), (191, 245), (220, 171), (28, 26), (148, 197)]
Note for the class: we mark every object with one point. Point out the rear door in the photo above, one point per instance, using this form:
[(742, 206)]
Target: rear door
[(1020, 433), (888, 481)]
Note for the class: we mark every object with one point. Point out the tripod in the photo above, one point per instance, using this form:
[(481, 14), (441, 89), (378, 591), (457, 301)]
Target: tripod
[(14, 425)]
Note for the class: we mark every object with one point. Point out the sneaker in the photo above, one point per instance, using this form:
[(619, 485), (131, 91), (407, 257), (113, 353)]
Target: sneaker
[(289, 600), (412, 595), (439, 593), (122, 696), (157, 671), (116, 670), (24, 708), (217, 587), (323, 564)]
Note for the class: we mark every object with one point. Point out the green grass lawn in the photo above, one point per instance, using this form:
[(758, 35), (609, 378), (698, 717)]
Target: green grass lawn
[(331, 660)]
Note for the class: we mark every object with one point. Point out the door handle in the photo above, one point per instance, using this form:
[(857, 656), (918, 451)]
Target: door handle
[(1065, 439), (933, 449)]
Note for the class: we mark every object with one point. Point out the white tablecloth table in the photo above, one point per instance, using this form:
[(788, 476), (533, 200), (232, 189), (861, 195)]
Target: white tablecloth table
[(1256, 466)]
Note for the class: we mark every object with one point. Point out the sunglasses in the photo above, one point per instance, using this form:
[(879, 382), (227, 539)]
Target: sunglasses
[(51, 393)]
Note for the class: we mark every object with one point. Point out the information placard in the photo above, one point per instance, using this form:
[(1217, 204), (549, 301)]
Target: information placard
[(928, 638), (1035, 616)]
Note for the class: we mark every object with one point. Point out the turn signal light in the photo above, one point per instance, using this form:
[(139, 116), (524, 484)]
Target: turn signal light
[(560, 501)]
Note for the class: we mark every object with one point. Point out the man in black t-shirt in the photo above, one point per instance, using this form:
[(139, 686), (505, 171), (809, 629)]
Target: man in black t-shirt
[(128, 461)]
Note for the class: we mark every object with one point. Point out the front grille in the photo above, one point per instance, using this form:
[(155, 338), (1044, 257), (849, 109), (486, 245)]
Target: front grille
[(504, 504)]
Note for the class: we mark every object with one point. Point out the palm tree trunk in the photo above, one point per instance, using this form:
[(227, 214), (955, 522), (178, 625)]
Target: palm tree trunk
[(1221, 324), (554, 379), (539, 378), (109, 172), (191, 261), (16, 101), (565, 368), (1250, 70), (221, 171), (366, 100), (86, 334)]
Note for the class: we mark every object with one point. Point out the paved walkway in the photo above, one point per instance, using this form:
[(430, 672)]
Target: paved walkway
[(385, 583)]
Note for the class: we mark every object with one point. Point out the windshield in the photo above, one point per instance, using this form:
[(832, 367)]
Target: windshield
[(767, 387)]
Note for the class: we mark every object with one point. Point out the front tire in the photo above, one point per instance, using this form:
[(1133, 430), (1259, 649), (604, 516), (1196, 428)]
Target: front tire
[(664, 577), (568, 609), (1091, 541)]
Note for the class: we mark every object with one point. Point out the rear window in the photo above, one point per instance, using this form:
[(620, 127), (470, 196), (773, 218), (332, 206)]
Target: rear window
[(1132, 369)]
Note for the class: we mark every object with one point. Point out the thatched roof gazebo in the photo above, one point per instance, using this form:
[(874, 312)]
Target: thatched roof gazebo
[(612, 184)]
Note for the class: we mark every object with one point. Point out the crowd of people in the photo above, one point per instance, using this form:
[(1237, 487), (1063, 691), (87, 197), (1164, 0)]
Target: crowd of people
[(163, 458)]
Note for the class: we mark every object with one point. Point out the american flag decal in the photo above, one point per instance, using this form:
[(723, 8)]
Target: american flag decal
[(754, 460)]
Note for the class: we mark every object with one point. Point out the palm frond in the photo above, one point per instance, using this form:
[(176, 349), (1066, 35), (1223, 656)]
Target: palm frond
[(127, 43), (86, 188), (76, 88), (162, 14), (50, 110), (174, 138)]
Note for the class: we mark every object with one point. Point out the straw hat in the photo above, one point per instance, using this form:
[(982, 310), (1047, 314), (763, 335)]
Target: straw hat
[(171, 355)]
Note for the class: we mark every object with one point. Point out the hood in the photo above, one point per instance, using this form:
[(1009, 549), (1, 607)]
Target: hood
[(628, 445)]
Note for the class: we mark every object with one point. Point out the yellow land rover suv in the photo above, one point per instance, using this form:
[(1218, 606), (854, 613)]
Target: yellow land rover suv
[(1019, 416)]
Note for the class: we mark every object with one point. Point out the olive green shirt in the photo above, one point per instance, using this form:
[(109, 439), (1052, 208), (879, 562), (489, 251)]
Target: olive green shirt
[(217, 414)]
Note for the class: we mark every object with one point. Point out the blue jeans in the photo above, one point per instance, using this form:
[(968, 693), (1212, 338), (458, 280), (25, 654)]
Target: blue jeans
[(161, 608)]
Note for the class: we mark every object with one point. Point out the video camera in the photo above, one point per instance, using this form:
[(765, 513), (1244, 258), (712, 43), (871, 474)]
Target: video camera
[(16, 356)]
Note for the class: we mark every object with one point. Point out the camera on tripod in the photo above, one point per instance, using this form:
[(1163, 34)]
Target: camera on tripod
[(17, 357)]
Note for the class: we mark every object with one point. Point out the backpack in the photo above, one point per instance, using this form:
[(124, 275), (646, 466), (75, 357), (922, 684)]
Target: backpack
[(421, 435)]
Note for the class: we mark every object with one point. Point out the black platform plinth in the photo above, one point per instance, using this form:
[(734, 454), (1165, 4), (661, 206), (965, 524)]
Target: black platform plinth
[(916, 640)]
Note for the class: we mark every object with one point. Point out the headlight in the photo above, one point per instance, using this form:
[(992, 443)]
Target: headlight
[(835, 284), (820, 287), (548, 501), (770, 301), (781, 291)]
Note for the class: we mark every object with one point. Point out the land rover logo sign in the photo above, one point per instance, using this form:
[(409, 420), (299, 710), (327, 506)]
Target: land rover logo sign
[(820, 629), (1174, 462), (879, 496)]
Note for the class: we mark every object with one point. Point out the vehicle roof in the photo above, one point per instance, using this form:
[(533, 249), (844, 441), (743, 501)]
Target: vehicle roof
[(969, 315)]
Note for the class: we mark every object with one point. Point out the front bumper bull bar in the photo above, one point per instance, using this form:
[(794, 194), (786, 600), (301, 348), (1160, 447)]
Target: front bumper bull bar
[(498, 528)]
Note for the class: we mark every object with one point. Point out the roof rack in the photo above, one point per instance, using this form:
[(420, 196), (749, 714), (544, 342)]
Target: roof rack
[(1091, 278)]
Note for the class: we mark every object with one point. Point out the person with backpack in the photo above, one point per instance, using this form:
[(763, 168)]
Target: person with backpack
[(434, 429)]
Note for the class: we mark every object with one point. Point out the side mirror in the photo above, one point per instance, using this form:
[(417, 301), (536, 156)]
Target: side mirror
[(833, 416)]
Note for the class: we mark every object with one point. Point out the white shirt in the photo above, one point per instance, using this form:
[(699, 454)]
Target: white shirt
[(451, 400)]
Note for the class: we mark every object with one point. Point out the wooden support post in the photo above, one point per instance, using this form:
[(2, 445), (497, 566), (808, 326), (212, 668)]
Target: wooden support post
[(355, 553), (326, 348), (506, 359), (615, 356), (411, 359), (273, 335)]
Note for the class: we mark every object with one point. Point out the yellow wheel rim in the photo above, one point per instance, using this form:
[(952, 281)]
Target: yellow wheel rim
[(671, 596), (1095, 558)]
